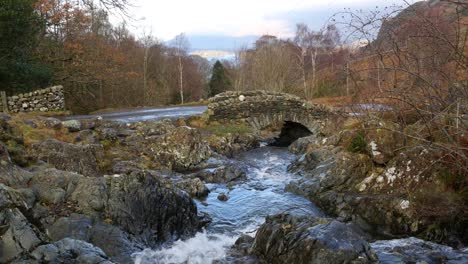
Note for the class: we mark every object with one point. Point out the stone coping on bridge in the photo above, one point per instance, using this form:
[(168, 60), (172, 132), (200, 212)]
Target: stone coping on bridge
[(261, 109)]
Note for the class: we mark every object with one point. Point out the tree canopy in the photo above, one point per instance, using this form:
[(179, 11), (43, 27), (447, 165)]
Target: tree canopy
[(220, 81)]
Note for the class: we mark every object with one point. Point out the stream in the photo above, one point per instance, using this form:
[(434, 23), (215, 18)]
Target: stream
[(249, 203), (262, 194)]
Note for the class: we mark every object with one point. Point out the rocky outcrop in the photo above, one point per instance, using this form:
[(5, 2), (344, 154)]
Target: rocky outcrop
[(181, 149), (383, 188), (145, 206), (286, 238), (69, 157), (17, 235)]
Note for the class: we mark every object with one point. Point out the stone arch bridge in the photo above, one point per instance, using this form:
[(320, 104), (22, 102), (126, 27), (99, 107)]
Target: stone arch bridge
[(262, 109)]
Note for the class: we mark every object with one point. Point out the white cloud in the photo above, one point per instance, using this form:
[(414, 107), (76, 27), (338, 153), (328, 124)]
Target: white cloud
[(167, 18)]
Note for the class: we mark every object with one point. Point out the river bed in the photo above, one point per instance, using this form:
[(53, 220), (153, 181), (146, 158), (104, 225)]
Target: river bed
[(262, 194)]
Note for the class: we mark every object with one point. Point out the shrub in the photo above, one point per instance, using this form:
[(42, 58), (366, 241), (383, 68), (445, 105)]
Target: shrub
[(358, 144)]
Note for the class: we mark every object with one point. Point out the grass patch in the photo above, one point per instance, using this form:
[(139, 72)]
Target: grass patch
[(229, 129), (358, 144)]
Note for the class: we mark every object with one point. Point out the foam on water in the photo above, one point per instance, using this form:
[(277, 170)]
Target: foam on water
[(201, 249)]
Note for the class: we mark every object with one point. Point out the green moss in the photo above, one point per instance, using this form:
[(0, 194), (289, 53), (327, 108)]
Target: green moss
[(358, 144)]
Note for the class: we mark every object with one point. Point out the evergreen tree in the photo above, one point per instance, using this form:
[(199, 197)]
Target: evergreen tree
[(219, 82), (19, 28)]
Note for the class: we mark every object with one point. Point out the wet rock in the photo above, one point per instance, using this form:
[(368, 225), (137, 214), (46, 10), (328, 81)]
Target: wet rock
[(413, 250), (65, 156), (228, 172), (194, 187), (70, 250), (223, 197), (145, 206), (72, 125), (294, 239)]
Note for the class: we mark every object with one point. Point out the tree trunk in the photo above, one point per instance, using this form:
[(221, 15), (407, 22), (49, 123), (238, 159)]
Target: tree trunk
[(145, 75), (181, 79), (313, 58)]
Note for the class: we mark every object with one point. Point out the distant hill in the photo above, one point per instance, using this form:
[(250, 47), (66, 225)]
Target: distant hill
[(214, 54), (218, 43)]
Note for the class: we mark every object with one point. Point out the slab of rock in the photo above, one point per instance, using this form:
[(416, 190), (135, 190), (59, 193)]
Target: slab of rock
[(65, 156), (414, 250), (286, 238)]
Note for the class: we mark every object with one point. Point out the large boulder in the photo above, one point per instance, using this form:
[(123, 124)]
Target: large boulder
[(297, 239), (414, 250), (70, 250), (233, 143), (144, 205), (17, 235), (52, 186), (10, 174), (81, 159), (181, 149), (228, 172), (116, 243)]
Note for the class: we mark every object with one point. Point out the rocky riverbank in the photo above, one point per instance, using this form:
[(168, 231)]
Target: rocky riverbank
[(92, 191), (95, 191)]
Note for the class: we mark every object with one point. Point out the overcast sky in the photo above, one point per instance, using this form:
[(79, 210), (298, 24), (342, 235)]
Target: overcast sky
[(237, 18)]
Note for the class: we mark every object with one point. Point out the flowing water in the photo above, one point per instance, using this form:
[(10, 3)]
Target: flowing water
[(249, 203), (263, 194)]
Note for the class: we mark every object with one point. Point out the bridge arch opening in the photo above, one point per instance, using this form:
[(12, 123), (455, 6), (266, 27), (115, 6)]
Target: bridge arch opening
[(290, 132)]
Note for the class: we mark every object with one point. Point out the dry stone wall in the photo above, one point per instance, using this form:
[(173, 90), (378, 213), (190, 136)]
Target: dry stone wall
[(44, 100), (261, 109)]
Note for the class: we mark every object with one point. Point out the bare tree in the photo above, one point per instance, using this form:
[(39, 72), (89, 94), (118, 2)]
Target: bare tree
[(181, 45), (147, 40), (302, 40)]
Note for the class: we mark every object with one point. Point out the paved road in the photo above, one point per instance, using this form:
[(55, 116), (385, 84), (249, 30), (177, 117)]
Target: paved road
[(146, 114)]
